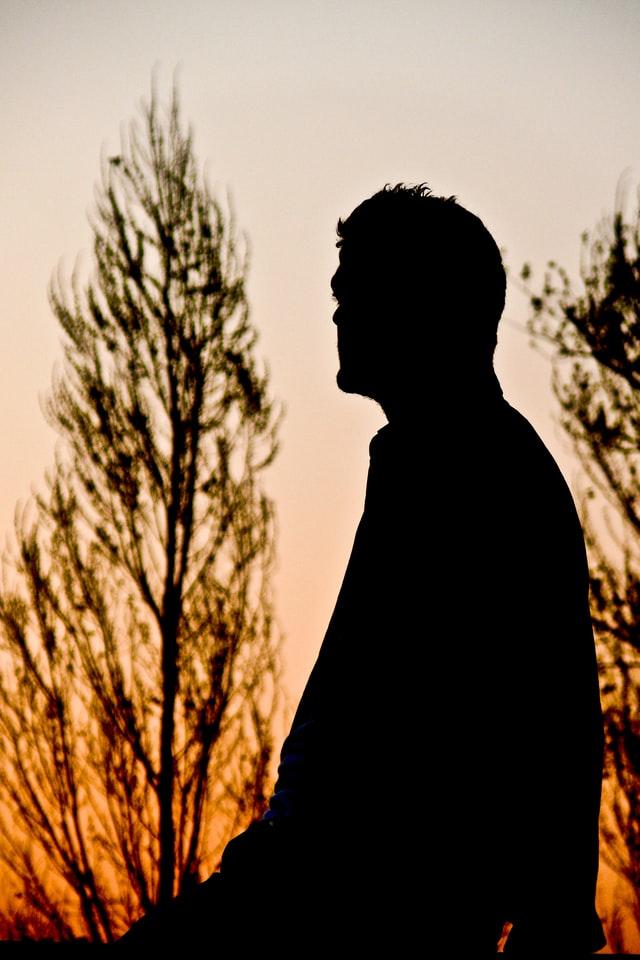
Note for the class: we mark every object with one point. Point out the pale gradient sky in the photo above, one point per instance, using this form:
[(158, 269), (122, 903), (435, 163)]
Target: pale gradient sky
[(526, 110)]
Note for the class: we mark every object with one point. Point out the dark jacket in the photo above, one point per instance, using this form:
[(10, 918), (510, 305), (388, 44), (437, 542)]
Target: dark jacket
[(451, 724)]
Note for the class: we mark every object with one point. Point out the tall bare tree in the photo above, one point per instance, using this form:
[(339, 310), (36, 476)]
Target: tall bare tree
[(594, 333), (139, 659)]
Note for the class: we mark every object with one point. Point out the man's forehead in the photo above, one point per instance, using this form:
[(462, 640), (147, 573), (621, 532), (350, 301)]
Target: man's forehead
[(356, 253), (366, 255)]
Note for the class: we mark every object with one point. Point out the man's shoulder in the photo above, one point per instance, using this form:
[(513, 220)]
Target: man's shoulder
[(525, 449), (538, 489), (494, 447), (380, 439)]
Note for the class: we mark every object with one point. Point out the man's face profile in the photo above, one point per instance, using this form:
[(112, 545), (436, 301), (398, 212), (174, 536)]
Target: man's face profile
[(378, 338), (360, 316)]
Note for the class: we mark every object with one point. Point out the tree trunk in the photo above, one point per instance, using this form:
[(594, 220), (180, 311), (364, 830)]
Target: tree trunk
[(167, 771)]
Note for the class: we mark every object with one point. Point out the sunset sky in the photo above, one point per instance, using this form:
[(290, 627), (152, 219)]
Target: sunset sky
[(526, 110)]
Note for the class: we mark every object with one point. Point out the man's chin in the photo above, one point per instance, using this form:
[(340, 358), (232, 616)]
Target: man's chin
[(344, 381), (350, 384)]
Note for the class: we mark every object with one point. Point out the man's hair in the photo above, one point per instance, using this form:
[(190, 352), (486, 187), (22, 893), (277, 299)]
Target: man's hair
[(439, 253)]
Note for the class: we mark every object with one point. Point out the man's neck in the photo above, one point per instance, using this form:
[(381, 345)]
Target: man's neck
[(473, 395)]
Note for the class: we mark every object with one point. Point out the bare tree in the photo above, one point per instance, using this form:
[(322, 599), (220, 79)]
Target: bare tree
[(595, 339), (139, 659)]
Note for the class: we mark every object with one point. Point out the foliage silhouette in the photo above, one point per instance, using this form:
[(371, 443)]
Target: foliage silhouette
[(139, 656), (595, 336)]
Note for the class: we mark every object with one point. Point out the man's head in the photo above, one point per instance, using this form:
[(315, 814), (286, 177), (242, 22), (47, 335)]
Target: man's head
[(420, 290)]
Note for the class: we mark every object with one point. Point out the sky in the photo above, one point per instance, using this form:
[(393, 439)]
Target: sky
[(526, 111)]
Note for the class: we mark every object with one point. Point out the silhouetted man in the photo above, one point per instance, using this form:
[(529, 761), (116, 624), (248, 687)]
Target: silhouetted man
[(442, 775)]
